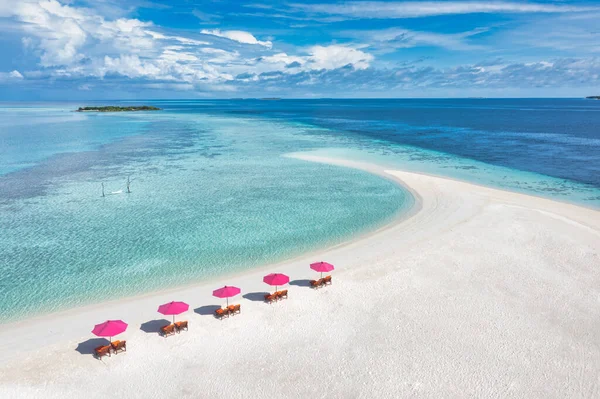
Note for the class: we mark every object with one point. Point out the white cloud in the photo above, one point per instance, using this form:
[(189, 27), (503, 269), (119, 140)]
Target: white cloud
[(318, 57), (131, 66), (239, 36), (73, 41), (15, 75), (283, 59), (11, 76), (219, 56), (415, 9), (336, 56)]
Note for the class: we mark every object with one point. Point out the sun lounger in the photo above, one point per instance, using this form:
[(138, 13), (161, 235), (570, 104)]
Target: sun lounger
[(119, 346), (283, 294), (220, 313), (316, 283), (277, 295), (236, 309), (101, 351), (167, 330), (269, 298), (327, 280), (181, 325)]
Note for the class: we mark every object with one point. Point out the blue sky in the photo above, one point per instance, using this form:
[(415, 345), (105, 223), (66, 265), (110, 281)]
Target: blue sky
[(110, 49)]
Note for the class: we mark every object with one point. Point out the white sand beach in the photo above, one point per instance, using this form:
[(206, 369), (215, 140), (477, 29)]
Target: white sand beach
[(478, 293)]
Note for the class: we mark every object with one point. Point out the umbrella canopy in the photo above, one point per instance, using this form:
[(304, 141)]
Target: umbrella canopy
[(322, 267), (109, 328), (276, 279), (173, 308), (226, 292)]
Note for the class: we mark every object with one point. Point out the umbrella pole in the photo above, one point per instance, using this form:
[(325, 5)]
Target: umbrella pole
[(228, 302), (173, 319), (321, 274)]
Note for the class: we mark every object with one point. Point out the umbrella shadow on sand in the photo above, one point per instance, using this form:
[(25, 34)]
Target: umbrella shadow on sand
[(208, 310), (153, 326), (87, 347), (301, 283), (255, 296)]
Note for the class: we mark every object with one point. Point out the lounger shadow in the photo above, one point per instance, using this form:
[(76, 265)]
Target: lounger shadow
[(153, 326), (300, 283), (255, 296), (208, 310), (87, 347)]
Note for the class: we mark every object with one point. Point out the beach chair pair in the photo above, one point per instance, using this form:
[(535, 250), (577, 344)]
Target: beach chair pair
[(277, 296), (229, 311), (171, 329), (114, 347), (320, 282)]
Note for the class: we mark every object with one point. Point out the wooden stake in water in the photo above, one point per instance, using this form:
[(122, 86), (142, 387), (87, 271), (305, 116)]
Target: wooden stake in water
[(102, 189), (128, 183)]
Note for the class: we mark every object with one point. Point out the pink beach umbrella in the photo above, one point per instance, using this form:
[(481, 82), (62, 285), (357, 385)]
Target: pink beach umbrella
[(226, 292), (109, 328), (276, 279), (322, 267), (173, 308)]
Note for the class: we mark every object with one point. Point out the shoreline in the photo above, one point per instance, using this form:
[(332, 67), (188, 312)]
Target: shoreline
[(472, 279), (213, 281)]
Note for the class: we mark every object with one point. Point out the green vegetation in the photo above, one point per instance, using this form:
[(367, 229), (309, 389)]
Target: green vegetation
[(117, 109), (594, 97)]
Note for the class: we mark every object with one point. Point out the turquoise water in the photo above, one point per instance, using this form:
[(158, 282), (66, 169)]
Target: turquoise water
[(209, 195), (213, 190)]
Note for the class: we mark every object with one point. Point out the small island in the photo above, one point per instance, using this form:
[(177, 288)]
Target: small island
[(117, 109), (593, 98)]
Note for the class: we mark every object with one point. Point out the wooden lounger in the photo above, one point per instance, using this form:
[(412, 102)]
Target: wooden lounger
[(283, 294), (236, 309), (181, 325), (277, 295), (119, 346), (101, 351), (316, 283), (269, 298), (327, 280), (220, 313), (167, 330)]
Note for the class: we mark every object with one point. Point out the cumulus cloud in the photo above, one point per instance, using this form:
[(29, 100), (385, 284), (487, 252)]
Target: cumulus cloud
[(239, 36), (335, 56), (10, 76), (318, 57), (15, 75), (74, 41), (417, 9)]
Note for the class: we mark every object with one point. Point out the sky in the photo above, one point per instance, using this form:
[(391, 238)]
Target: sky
[(129, 49)]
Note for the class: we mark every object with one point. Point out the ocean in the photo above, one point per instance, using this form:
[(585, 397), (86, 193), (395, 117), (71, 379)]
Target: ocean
[(212, 191)]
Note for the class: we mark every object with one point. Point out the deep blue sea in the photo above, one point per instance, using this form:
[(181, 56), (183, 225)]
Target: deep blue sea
[(213, 192)]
